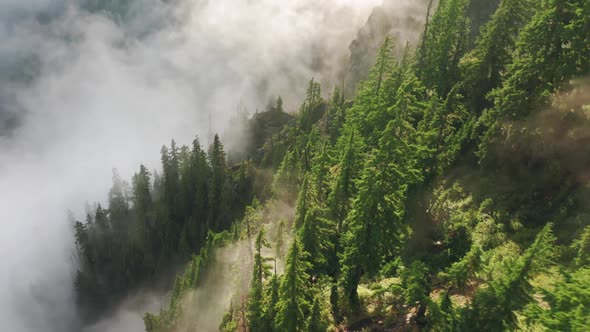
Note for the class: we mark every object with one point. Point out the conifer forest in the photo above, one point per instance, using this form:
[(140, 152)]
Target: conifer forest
[(428, 174)]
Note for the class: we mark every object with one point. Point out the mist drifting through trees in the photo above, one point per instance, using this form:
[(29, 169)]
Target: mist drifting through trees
[(304, 165), (91, 85)]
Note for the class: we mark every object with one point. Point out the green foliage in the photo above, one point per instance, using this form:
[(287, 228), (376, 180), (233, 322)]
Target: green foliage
[(474, 146), (335, 303), (368, 115), (169, 317), (303, 204), (582, 248), (314, 236), (286, 178), (316, 321), (261, 271), (443, 45), (483, 66), (415, 282), (293, 293), (462, 271), (280, 243), (272, 297), (218, 183), (228, 323), (312, 109), (334, 117), (415, 288), (494, 307), (446, 307), (344, 186), (153, 226), (376, 227), (544, 60), (567, 303)]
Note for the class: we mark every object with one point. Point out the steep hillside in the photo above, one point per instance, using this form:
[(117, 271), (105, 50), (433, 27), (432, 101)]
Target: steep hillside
[(451, 194)]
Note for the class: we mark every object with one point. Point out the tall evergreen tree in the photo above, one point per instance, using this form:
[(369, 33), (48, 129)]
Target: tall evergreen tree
[(217, 185), (303, 203), (197, 179), (335, 116), (316, 321), (293, 301), (483, 67), (344, 186), (118, 201), (261, 271), (286, 178), (143, 206), (375, 224), (320, 174), (314, 236), (270, 314), (309, 112), (443, 44), (368, 117)]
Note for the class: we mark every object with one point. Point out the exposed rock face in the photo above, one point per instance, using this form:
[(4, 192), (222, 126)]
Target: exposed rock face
[(403, 20)]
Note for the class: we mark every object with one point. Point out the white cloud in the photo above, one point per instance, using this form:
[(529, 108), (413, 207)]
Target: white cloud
[(110, 93)]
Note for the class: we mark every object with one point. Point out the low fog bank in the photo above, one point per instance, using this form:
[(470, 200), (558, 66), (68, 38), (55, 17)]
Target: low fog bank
[(95, 85), (129, 315)]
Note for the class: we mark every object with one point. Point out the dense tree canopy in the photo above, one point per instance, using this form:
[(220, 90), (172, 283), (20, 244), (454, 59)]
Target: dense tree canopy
[(449, 195)]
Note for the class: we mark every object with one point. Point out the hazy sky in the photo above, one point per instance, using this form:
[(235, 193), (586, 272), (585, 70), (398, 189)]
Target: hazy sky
[(100, 90)]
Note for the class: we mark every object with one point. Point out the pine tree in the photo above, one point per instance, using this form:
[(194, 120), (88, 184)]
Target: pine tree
[(316, 321), (171, 177), (293, 301), (303, 202), (270, 314), (314, 236), (416, 285), (118, 202), (368, 117), (280, 243), (320, 174), (384, 65), (451, 124), (195, 185), (308, 113), (460, 272), (279, 106), (483, 67), (261, 271), (311, 147), (376, 227), (217, 186), (143, 207), (166, 213), (286, 178), (335, 303), (582, 248), (446, 307), (344, 187), (197, 180), (335, 116), (443, 44)]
